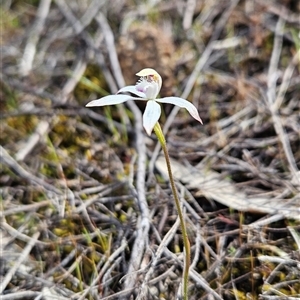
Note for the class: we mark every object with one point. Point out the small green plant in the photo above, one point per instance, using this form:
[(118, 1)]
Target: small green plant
[(147, 89)]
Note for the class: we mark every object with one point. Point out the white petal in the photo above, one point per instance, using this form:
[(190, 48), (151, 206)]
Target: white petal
[(150, 76), (151, 115), (110, 100), (132, 89), (152, 90), (149, 88), (146, 72), (182, 103)]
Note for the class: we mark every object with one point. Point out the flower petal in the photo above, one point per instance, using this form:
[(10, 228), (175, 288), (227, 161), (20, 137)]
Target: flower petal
[(152, 77), (151, 115), (110, 100), (182, 103), (146, 72), (132, 89), (150, 89)]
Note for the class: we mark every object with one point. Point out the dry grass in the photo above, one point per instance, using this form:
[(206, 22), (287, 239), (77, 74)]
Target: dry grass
[(86, 210)]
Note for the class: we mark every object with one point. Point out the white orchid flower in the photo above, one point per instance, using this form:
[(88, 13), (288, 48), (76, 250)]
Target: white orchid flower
[(147, 89)]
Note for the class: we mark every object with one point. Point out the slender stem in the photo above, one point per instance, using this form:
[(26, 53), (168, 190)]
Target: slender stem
[(186, 243)]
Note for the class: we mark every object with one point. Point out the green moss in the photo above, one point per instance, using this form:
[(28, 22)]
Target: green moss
[(92, 82)]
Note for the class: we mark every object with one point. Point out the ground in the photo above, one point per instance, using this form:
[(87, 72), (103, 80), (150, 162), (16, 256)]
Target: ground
[(86, 207)]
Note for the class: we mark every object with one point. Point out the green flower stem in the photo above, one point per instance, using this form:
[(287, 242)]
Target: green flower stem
[(187, 250)]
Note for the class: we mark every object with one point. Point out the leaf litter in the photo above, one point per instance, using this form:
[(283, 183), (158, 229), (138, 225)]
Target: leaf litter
[(86, 209)]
